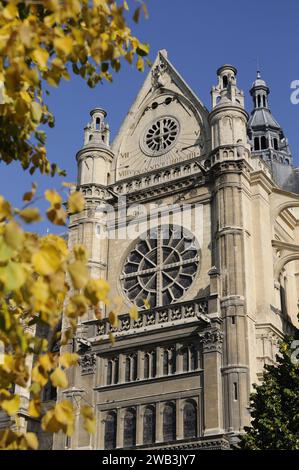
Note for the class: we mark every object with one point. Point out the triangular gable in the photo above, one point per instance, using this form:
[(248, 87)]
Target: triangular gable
[(164, 94)]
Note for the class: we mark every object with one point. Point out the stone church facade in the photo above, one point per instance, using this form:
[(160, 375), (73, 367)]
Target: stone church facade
[(191, 216)]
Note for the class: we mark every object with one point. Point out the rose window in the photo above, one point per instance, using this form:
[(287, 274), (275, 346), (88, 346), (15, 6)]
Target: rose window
[(160, 136), (161, 267)]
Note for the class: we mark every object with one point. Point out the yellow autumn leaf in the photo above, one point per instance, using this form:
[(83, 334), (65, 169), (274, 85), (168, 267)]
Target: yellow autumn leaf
[(47, 361), (39, 375), (57, 216), (113, 319), (89, 419), (140, 64), (147, 304), (111, 338), (46, 260), (10, 11), (133, 312), (13, 276), (96, 290), (79, 274), (50, 423), (76, 202), (64, 45), (5, 209), (36, 111), (12, 405), (6, 252), (77, 306), (30, 214), (31, 440), (59, 378), (40, 291), (64, 414), (34, 408), (30, 194), (80, 253), (53, 197), (14, 235), (40, 56), (68, 359)]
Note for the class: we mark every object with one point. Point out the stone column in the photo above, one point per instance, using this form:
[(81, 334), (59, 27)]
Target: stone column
[(212, 339), (179, 419), (139, 425), (159, 422), (120, 428)]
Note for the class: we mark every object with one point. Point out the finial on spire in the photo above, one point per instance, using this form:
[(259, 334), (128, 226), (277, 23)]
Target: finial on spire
[(258, 74)]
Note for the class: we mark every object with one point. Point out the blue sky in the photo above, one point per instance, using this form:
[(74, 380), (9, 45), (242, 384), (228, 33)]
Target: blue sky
[(199, 36)]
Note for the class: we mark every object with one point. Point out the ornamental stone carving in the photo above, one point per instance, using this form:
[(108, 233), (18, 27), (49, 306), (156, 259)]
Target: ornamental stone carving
[(211, 340), (88, 363)]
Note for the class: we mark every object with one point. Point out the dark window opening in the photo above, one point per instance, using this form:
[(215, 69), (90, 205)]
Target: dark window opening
[(130, 428), (146, 366), (225, 81), (264, 101), (134, 375), (264, 143), (194, 358), (116, 370), (275, 144), (259, 101), (185, 354), (235, 391), (256, 143), (109, 372), (169, 422), (110, 431), (149, 425), (190, 420), (128, 369)]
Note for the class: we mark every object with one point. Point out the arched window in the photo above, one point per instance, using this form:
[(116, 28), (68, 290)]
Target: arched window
[(98, 122), (169, 422), (190, 419), (130, 428), (225, 81), (110, 431), (264, 143), (259, 101), (264, 101), (149, 425), (256, 143), (109, 372), (275, 144)]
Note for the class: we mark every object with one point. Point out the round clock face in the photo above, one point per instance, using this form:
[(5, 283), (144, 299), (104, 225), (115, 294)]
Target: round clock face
[(160, 136)]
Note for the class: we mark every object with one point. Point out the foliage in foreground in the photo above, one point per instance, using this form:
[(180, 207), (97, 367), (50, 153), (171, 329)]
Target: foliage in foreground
[(40, 42), (275, 404)]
